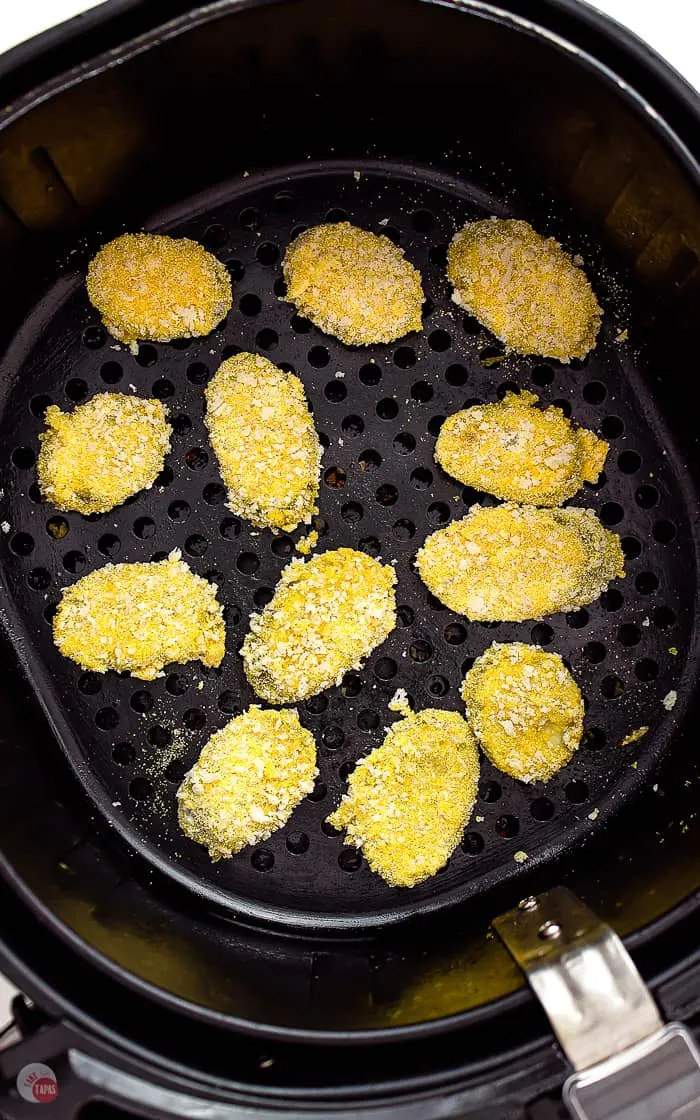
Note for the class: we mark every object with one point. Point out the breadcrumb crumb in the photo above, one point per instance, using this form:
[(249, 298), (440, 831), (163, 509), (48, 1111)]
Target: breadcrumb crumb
[(306, 545), (265, 441), (150, 286), (247, 781), (138, 618), (524, 288), (669, 700), (400, 703), (519, 452), (409, 800), (355, 285), (634, 736), (326, 616), (511, 563), (94, 458)]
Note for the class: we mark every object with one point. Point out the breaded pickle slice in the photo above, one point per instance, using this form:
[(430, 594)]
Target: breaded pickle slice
[(325, 617), (264, 438), (408, 801), (150, 286), (510, 563), (355, 285), (519, 452), (524, 288), (138, 618), (95, 457), (247, 781), (525, 709)]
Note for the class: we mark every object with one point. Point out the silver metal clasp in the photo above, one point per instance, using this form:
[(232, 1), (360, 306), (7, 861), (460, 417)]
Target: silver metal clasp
[(629, 1065)]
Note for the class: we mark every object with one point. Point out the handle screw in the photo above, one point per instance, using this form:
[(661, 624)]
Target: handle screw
[(549, 931), (528, 903)]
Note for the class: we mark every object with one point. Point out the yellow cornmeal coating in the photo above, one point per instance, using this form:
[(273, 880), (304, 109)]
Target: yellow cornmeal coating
[(408, 801), (525, 709), (150, 286), (524, 288), (94, 458), (511, 563), (247, 781), (137, 618), (264, 438), (353, 284), (326, 616), (519, 452)]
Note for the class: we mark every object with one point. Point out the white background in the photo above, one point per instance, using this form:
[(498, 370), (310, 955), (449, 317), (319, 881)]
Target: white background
[(667, 25)]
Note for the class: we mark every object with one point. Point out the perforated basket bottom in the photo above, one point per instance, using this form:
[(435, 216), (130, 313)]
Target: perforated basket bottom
[(378, 411)]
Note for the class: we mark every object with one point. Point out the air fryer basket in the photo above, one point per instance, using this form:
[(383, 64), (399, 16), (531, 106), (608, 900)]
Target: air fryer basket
[(378, 411), (239, 125)]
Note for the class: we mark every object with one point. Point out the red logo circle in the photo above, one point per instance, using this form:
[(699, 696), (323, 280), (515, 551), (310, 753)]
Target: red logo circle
[(37, 1083)]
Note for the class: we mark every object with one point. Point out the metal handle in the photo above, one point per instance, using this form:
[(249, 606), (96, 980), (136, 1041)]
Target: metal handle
[(629, 1066)]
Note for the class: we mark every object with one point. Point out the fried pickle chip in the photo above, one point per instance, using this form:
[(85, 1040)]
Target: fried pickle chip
[(353, 284), (511, 563), (409, 800), (149, 286), (325, 617), (247, 781), (138, 618), (525, 709), (264, 438), (524, 288), (519, 452), (94, 458)]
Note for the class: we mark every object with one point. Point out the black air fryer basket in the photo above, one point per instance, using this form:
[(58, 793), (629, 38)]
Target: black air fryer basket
[(290, 979)]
